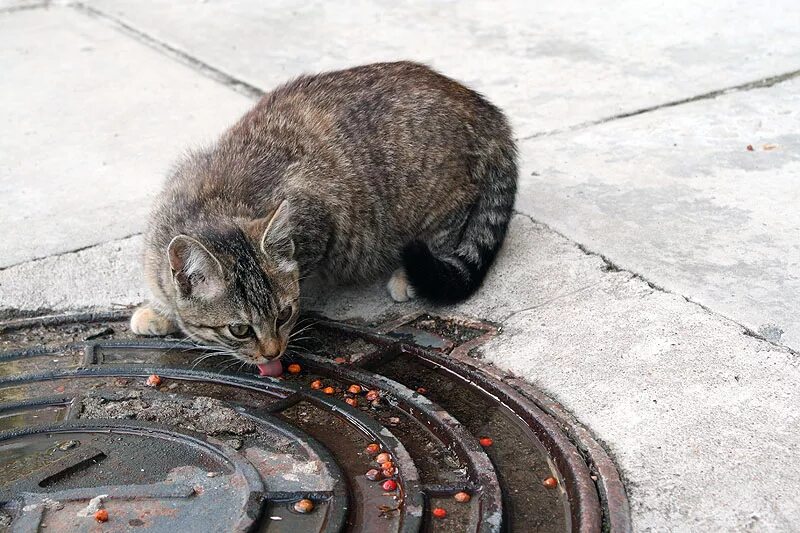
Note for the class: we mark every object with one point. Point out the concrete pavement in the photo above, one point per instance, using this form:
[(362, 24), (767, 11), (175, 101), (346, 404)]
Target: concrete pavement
[(650, 281)]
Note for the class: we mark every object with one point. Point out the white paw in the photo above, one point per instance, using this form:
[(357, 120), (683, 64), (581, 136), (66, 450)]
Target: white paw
[(146, 321), (399, 288)]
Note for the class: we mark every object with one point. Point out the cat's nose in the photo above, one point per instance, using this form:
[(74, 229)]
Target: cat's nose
[(270, 348)]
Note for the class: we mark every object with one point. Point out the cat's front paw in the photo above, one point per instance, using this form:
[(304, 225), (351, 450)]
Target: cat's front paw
[(147, 321), (399, 288)]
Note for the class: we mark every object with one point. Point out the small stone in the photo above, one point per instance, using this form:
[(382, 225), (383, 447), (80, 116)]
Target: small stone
[(67, 445), (236, 444), (750, 148), (212, 474), (304, 506)]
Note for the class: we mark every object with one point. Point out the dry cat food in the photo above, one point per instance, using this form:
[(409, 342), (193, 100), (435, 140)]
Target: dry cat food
[(294, 368), (352, 402), (304, 506), (383, 457), (550, 482), (461, 497), (373, 448), (316, 384), (101, 515), (153, 381), (486, 442), (329, 390), (373, 395), (374, 475), (389, 485), (439, 512)]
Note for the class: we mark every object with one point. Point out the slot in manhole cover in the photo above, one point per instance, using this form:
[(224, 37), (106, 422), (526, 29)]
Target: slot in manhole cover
[(215, 447)]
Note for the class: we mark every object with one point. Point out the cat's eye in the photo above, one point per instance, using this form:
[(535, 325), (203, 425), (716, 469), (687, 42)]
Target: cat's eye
[(284, 315), (240, 331)]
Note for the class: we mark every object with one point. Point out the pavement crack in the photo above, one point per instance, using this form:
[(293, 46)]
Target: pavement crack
[(25, 7), (511, 315), (757, 84), (610, 266), (202, 67), (67, 252)]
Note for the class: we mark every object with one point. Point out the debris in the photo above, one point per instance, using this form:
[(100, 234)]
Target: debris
[(212, 474), (769, 147), (67, 445), (550, 483), (304, 506), (236, 444), (373, 395), (439, 512), (153, 381), (373, 475), (393, 420), (750, 148), (461, 497), (99, 333), (94, 505)]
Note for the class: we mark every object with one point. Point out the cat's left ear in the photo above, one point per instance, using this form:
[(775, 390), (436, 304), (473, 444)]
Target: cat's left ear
[(276, 232)]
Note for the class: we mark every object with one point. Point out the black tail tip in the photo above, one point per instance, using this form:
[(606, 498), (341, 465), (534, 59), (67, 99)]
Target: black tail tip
[(434, 279)]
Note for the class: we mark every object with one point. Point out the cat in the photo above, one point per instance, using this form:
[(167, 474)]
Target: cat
[(350, 174)]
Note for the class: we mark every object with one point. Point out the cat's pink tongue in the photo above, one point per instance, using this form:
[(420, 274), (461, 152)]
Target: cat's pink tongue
[(274, 368)]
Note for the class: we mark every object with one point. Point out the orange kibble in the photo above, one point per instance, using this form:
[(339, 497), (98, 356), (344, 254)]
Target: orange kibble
[(388, 472), (329, 390), (461, 497), (354, 389), (389, 485), (382, 458), (352, 402), (153, 381), (550, 482), (373, 448), (316, 384), (439, 512), (387, 464), (304, 506), (486, 442), (294, 368), (422, 390), (101, 515), (373, 395), (339, 360)]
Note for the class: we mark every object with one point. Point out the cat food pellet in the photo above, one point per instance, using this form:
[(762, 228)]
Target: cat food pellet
[(550, 483), (294, 368), (387, 464), (339, 360), (352, 402), (374, 475), (101, 515), (486, 441), (153, 381), (328, 390), (316, 384), (304, 506), (749, 147), (373, 448), (382, 458), (439, 512), (373, 395), (422, 390), (354, 389), (389, 485), (388, 472), (461, 497)]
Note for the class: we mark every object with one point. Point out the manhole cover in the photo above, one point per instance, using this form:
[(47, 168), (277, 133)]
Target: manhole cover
[(215, 447)]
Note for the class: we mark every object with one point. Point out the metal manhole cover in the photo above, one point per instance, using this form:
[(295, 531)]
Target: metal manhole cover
[(215, 447)]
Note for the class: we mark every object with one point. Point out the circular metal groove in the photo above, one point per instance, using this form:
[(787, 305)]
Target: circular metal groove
[(431, 431)]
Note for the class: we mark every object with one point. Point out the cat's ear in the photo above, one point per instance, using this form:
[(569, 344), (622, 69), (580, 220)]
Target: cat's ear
[(195, 270), (276, 235)]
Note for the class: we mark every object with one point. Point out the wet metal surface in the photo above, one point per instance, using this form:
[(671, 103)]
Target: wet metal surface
[(214, 446)]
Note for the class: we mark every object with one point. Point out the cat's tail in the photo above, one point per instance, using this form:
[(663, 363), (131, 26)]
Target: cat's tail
[(453, 276)]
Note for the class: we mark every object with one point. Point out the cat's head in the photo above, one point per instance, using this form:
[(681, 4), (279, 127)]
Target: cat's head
[(237, 285)]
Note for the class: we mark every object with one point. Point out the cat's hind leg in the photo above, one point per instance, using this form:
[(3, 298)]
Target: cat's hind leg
[(399, 288), (148, 321)]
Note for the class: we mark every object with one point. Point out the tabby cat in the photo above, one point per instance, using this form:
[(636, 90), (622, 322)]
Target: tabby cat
[(350, 174)]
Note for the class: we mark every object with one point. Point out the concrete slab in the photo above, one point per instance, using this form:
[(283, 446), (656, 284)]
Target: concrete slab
[(92, 120), (675, 195), (551, 65)]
